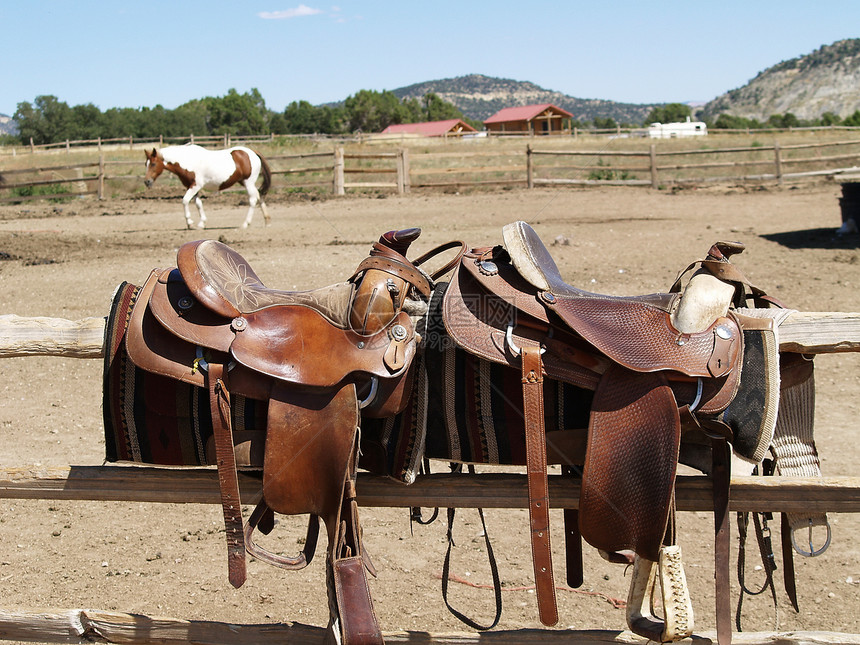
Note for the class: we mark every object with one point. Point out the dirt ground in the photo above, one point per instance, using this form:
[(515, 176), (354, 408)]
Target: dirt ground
[(65, 260)]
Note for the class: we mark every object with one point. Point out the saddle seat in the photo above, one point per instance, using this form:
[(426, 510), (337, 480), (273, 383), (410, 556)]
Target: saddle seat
[(638, 332), (224, 281)]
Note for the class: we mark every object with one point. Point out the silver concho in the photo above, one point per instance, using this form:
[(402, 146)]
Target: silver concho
[(399, 333), (724, 332), (239, 324), (547, 297), (487, 267), (185, 303)]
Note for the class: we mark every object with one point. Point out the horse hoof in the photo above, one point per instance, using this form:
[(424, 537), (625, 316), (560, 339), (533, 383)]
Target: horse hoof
[(201, 225)]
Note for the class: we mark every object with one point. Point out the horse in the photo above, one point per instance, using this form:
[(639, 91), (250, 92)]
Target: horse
[(199, 168)]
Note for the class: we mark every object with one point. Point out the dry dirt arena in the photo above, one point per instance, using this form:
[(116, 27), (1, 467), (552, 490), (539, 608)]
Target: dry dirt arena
[(65, 260)]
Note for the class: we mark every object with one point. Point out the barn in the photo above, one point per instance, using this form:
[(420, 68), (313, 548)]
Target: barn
[(542, 118), (431, 128)]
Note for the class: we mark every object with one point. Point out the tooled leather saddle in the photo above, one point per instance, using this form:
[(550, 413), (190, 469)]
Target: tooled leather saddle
[(318, 359), (658, 365)]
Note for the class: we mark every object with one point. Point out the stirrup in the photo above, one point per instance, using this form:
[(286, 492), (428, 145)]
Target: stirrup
[(300, 561), (678, 610)]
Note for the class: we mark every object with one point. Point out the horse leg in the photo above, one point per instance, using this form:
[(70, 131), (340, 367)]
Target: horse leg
[(199, 203), (253, 199), (190, 194)]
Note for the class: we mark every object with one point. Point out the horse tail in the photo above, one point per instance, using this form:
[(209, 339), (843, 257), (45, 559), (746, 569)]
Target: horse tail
[(267, 175)]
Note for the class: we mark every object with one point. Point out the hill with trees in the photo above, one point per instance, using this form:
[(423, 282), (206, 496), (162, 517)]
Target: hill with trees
[(479, 97)]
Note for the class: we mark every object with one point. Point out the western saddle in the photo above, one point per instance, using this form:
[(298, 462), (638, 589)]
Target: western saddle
[(659, 366), (319, 359)]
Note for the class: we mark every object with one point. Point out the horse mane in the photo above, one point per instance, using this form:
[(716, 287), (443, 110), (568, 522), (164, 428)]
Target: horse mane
[(267, 175)]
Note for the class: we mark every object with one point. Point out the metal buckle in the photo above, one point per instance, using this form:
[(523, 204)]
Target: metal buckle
[(812, 550), (512, 346)]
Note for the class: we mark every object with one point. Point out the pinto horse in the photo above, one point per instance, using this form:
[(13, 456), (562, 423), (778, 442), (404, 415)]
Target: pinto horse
[(199, 168)]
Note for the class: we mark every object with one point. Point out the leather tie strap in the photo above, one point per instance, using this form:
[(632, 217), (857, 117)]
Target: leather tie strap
[(228, 479), (532, 377), (721, 480)]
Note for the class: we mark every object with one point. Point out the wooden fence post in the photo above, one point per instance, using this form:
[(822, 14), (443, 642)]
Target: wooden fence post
[(131, 142), (338, 186), (100, 145), (398, 165), (32, 147), (101, 187), (160, 140), (777, 162), (404, 163), (68, 147), (530, 171), (192, 137), (653, 156)]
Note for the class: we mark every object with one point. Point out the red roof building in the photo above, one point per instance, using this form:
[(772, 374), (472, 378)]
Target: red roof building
[(543, 118), (431, 128)]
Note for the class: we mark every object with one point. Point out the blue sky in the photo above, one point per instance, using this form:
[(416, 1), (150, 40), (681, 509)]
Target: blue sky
[(133, 54)]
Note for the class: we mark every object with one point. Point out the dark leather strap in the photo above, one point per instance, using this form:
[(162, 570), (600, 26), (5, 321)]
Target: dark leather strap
[(494, 571), (572, 541), (228, 479), (532, 378), (788, 561), (721, 481), (453, 244)]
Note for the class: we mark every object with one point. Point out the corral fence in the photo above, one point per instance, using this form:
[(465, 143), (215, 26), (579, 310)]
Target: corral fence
[(472, 164)]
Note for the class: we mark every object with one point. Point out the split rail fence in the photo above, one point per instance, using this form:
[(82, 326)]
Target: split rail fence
[(473, 165), (805, 332)]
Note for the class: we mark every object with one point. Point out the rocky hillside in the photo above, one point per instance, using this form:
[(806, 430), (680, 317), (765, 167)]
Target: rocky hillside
[(7, 125), (827, 80), (479, 97)]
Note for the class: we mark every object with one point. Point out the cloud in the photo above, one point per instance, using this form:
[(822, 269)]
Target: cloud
[(301, 10)]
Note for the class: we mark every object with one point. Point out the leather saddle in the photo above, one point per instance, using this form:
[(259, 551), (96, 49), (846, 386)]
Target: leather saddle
[(658, 364), (320, 359)]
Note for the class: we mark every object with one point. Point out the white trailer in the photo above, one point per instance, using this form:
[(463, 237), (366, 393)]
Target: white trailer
[(672, 130)]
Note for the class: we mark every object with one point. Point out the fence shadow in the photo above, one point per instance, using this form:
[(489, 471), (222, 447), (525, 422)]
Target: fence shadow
[(815, 238)]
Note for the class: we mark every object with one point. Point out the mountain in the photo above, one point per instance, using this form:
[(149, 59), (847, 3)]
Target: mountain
[(478, 97), (7, 125), (827, 80)]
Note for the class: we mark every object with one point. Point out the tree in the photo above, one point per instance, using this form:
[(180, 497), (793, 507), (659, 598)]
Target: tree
[(237, 113), (852, 120), (435, 109), (669, 113), (604, 123), (48, 121), (300, 117), (783, 121), (372, 111)]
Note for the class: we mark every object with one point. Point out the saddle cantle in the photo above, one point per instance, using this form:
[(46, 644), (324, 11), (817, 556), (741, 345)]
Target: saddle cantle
[(317, 359)]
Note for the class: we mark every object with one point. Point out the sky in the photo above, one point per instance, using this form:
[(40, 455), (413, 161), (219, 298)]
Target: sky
[(141, 54)]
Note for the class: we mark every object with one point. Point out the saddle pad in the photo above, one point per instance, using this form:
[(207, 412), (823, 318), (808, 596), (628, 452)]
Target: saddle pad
[(156, 420), (475, 412)]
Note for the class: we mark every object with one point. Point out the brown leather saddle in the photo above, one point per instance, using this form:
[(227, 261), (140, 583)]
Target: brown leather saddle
[(658, 365), (320, 359)]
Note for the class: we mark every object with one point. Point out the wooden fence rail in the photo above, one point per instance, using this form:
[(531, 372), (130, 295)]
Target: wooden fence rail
[(342, 170)]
